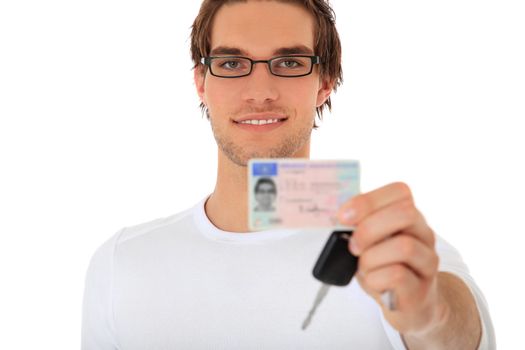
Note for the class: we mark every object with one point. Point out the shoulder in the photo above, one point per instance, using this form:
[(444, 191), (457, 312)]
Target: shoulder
[(105, 253), (98, 327), (141, 230), (102, 265)]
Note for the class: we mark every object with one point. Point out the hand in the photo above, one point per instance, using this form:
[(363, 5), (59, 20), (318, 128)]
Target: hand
[(396, 253)]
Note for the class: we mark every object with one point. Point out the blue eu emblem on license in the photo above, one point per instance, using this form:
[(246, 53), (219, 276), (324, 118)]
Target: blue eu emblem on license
[(264, 169)]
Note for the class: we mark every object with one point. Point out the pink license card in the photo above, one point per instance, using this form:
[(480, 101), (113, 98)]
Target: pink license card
[(299, 193)]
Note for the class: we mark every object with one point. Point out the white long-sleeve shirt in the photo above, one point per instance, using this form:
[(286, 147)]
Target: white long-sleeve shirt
[(181, 283)]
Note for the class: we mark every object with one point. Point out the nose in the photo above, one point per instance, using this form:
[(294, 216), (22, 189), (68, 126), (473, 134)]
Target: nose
[(260, 86)]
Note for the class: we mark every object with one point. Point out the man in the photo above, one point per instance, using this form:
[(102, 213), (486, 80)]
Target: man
[(199, 280), (265, 194)]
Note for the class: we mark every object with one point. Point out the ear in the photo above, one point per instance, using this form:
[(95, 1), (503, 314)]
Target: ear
[(325, 89), (198, 78)]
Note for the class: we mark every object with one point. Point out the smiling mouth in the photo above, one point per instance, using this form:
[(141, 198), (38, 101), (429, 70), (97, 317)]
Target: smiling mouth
[(260, 121)]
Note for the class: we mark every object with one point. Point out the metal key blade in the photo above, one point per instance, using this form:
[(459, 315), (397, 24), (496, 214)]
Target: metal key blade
[(318, 298)]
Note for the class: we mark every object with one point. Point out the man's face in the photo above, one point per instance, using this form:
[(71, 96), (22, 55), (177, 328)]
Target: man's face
[(265, 195), (261, 30)]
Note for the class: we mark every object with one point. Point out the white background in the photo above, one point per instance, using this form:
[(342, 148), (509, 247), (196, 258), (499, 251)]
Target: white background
[(100, 129)]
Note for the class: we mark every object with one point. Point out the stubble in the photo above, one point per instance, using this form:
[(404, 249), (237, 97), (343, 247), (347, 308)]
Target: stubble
[(286, 147)]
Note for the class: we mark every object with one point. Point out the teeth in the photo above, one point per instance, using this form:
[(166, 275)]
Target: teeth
[(260, 122)]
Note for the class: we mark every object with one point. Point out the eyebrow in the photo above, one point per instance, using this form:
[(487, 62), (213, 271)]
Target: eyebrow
[(293, 50)]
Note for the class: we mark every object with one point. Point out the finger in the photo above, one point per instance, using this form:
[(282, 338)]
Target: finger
[(404, 284), (401, 216), (362, 205), (400, 249), (410, 293)]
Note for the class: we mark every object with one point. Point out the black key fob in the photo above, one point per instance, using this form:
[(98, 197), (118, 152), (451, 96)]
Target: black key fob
[(336, 265)]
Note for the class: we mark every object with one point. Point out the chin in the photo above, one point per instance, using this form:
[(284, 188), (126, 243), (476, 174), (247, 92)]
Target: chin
[(239, 152), (242, 157)]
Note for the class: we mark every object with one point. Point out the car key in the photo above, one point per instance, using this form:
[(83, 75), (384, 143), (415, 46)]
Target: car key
[(335, 266)]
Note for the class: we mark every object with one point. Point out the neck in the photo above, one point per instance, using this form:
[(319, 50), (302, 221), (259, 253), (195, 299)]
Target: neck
[(227, 207)]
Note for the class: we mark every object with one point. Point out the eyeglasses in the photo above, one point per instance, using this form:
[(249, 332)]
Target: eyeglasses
[(269, 191), (282, 66)]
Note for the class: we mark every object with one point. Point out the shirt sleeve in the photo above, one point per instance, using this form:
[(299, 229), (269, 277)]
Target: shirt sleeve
[(450, 261), (98, 329)]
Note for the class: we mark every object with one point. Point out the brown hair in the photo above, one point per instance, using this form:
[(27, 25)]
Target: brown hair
[(327, 43)]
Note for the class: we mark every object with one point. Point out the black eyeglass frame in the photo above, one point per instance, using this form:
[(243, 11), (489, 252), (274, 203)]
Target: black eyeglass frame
[(314, 59)]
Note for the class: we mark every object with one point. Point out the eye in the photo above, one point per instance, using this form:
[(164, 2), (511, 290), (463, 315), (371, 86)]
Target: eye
[(231, 63), (290, 63)]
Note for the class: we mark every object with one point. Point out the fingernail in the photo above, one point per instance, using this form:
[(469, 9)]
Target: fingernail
[(348, 215), (388, 299), (353, 247)]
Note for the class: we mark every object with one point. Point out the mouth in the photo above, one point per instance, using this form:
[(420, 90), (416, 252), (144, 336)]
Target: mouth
[(260, 121), (265, 122)]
